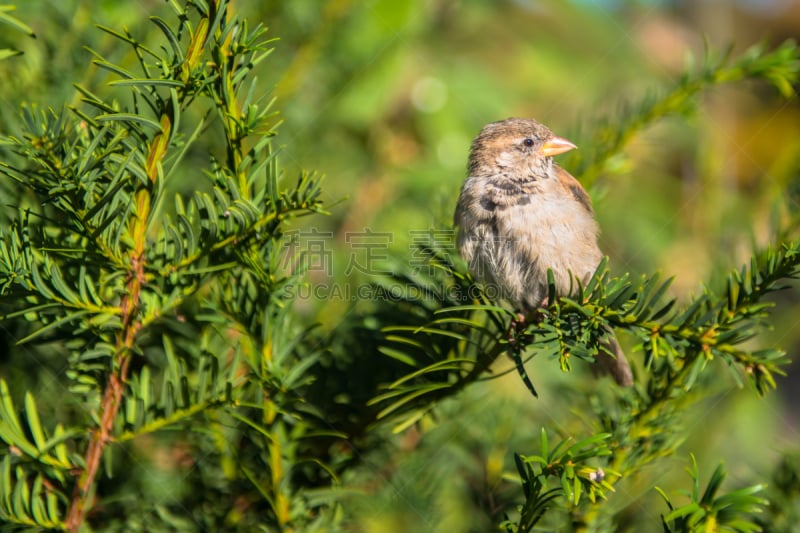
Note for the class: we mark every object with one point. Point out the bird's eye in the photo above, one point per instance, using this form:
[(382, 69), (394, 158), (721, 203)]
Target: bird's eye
[(528, 142)]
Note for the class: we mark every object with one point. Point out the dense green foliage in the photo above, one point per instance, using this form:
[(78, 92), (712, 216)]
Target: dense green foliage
[(163, 368)]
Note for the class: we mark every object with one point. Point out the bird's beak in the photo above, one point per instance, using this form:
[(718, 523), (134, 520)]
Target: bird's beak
[(555, 146)]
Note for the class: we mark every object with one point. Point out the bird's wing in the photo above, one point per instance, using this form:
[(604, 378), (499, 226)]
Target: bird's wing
[(573, 187)]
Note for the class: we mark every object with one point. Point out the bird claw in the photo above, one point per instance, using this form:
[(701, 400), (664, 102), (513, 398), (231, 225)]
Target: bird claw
[(517, 324)]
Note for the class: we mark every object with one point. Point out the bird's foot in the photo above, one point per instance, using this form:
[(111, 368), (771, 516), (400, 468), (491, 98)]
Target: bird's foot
[(517, 324)]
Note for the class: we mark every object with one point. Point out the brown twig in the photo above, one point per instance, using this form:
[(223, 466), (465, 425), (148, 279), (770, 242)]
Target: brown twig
[(126, 338), (130, 308), (112, 399)]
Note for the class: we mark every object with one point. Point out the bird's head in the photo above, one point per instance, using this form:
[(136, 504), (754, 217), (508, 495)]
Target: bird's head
[(518, 147)]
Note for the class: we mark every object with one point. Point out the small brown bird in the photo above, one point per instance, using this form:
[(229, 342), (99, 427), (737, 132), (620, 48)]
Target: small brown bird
[(520, 214)]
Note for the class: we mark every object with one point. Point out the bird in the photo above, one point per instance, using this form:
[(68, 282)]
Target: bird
[(520, 214)]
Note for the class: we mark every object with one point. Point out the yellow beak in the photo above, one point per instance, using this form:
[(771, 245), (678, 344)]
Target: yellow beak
[(555, 146)]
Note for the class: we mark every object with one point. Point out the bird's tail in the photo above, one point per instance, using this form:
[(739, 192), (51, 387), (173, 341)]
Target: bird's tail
[(615, 363)]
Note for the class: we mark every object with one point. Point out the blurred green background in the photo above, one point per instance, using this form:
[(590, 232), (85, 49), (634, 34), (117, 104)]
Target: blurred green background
[(384, 96)]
